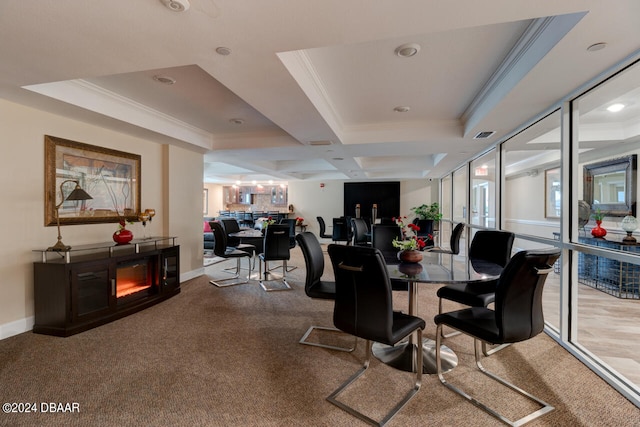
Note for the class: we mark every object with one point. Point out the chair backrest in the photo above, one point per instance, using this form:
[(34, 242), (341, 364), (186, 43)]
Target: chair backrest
[(518, 303), (383, 235), (363, 305), (386, 221), (230, 225), (492, 245), (220, 238), (454, 242), (323, 226), (340, 230), (425, 225), (313, 259), (360, 231), (276, 243), (291, 223)]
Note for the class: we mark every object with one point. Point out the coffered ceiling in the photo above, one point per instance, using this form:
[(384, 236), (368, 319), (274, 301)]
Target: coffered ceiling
[(306, 89)]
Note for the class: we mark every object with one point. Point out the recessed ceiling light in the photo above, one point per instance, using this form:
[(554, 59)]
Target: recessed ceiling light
[(224, 51), (164, 79), (614, 108), (177, 5), (401, 109), (236, 121), (596, 47), (407, 50)]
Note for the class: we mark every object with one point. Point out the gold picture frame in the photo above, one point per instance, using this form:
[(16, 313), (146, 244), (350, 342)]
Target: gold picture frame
[(110, 177)]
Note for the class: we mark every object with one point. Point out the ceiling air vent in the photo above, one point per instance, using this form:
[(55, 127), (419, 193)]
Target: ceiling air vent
[(484, 135), (317, 143)]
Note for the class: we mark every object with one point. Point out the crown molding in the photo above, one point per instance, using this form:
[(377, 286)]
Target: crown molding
[(92, 97)]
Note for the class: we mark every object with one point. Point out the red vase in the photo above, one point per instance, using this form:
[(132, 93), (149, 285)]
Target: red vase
[(598, 231), (410, 256), (123, 236)]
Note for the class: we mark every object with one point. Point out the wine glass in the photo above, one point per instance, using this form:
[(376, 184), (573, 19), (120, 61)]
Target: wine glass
[(151, 213), (144, 217)]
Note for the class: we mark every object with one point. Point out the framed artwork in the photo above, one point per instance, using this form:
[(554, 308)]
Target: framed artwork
[(552, 193), (205, 201), (110, 177)]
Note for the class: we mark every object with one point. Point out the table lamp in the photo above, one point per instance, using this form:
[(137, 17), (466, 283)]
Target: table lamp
[(629, 224), (77, 194)]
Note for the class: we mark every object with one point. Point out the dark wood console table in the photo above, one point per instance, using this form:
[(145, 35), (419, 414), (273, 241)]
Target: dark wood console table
[(90, 285)]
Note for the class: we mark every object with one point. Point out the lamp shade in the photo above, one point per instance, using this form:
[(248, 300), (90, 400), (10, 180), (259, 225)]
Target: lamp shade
[(78, 194), (629, 224)]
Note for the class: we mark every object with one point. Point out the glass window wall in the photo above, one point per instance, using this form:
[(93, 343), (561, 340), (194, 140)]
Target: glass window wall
[(483, 190), (608, 261), (532, 196)]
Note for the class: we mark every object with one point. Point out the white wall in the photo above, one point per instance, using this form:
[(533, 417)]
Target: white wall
[(183, 205), (22, 195), (215, 199)]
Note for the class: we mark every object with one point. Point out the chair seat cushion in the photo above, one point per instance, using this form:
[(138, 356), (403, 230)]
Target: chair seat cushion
[(477, 321), (403, 325), (236, 253), (322, 290), (474, 294), (245, 247)]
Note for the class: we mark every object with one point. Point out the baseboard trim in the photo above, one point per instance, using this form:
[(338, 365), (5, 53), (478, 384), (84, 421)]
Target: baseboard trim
[(191, 274), (16, 327)]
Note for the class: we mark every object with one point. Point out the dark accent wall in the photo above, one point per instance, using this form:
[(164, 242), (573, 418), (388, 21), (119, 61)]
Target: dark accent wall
[(385, 194)]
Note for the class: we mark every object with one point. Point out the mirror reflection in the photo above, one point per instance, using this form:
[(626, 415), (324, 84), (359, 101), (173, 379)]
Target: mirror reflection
[(609, 188)]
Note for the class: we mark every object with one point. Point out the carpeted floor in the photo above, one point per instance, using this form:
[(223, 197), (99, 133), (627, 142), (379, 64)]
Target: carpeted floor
[(230, 357)]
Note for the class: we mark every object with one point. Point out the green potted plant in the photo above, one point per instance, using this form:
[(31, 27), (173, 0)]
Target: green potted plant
[(427, 217), (431, 211)]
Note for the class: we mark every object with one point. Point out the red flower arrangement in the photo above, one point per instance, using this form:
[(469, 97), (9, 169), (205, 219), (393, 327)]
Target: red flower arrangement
[(268, 222), (410, 240)]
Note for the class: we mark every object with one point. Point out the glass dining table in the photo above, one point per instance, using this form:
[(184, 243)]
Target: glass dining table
[(251, 237), (434, 269)]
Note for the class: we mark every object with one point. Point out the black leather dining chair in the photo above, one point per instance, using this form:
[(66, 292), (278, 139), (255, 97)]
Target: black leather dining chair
[(425, 225), (221, 250), (364, 308), (361, 235), (323, 228), (341, 230), (230, 225), (381, 238), (315, 287), (454, 241), (276, 248), (517, 317), (488, 246), (383, 235), (291, 223)]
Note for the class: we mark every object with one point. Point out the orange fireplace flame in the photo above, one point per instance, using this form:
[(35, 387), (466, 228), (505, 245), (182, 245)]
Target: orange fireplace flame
[(128, 287)]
